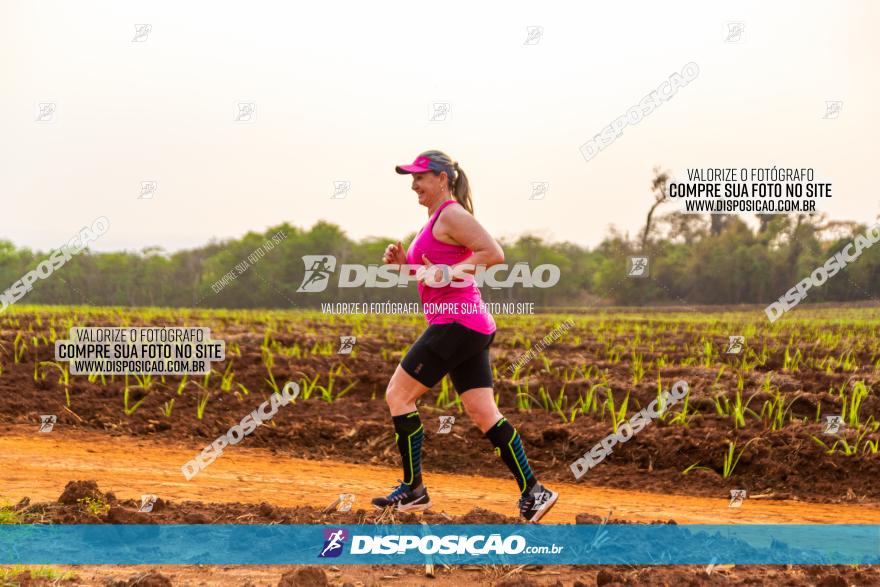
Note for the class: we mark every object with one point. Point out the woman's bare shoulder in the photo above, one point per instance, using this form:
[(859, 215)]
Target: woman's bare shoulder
[(456, 211), (457, 221)]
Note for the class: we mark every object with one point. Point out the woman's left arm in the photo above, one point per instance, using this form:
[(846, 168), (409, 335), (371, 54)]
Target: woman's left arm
[(463, 228)]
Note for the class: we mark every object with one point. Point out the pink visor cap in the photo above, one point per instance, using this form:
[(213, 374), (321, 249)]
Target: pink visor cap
[(420, 165)]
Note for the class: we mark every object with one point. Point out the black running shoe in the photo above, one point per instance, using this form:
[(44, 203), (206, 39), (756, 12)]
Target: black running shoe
[(406, 498), (536, 503)]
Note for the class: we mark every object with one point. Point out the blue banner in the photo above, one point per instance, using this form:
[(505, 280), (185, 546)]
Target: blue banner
[(583, 544)]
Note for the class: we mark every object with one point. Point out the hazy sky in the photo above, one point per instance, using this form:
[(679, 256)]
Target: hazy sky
[(345, 90)]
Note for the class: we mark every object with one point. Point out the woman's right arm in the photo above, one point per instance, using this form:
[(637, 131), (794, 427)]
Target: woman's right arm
[(395, 254)]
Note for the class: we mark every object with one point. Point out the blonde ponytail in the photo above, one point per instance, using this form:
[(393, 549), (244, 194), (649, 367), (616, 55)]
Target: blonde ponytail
[(458, 183)]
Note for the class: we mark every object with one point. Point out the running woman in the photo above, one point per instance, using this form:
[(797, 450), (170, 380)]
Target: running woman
[(454, 342)]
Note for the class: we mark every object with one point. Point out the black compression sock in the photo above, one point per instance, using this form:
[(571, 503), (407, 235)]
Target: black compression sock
[(509, 446), (408, 433)]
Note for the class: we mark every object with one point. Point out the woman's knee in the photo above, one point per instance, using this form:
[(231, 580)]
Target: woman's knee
[(394, 395), (484, 413), (398, 394), (486, 418)]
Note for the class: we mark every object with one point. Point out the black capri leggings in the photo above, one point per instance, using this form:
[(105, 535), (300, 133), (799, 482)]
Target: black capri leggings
[(454, 349)]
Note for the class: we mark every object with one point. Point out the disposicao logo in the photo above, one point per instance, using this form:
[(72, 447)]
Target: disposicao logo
[(319, 268), (334, 541), (429, 544), (434, 544)]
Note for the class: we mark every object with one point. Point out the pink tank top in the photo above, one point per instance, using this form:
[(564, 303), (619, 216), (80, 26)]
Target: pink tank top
[(462, 304)]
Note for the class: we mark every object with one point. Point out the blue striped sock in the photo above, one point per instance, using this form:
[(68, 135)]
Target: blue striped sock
[(408, 433), (509, 446)]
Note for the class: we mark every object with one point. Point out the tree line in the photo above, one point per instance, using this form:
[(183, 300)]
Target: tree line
[(692, 259)]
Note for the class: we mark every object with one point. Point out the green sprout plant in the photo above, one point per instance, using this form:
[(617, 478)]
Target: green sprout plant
[(17, 574), (9, 515), (126, 407), (227, 377), (588, 403), (182, 384), (144, 381), (618, 414), (730, 462), (202, 403), (773, 412), (63, 378), (851, 411), (94, 506), (791, 362), (638, 368), (308, 386), (327, 391), (19, 346), (269, 362), (551, 405), (682, 416)]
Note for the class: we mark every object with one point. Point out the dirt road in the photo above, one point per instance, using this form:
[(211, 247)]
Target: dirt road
[(38, 465)]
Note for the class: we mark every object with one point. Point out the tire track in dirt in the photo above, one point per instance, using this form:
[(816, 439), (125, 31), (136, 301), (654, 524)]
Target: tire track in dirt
[(38, 465)]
